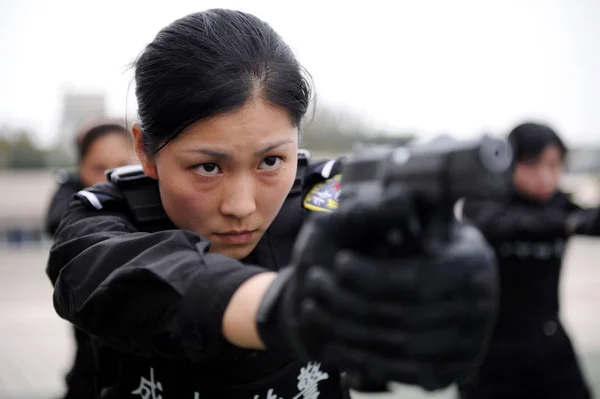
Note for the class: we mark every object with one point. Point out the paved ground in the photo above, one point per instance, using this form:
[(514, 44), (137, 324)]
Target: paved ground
[(35, 345)]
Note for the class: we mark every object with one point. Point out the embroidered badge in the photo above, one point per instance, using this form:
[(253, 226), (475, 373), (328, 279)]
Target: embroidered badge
[(149, 389), (323, 197), (308, 383)]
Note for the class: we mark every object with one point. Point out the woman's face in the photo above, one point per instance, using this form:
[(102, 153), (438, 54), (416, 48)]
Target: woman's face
[(539, 178), (226, 177), (109, 151)]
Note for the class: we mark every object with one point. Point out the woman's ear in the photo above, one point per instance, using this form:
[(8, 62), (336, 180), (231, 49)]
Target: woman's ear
[(147, 162)]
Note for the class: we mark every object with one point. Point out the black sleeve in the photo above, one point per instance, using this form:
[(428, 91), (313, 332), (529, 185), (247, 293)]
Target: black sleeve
[(587, 220), (150, 294), (58, 205), (499, 221)]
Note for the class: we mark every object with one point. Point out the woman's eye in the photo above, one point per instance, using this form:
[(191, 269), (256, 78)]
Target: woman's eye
[(208, 169), (271, 163)]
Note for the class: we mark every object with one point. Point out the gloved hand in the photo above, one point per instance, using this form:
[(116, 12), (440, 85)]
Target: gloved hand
[(584, 222), (362, 299)]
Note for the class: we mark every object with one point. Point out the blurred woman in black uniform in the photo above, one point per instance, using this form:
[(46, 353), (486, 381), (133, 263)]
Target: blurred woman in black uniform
[(531, 355), (183, 273), (101, 145)]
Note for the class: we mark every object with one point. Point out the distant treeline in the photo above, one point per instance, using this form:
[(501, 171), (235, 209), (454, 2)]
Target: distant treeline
[(337, 130), (329, 130), (18, 151)]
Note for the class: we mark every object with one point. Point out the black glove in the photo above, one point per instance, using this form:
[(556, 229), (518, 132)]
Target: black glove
[(584, 222), (362, 299)]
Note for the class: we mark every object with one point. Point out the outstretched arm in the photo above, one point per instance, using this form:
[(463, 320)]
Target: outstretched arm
[(498, 221), (152, 294)]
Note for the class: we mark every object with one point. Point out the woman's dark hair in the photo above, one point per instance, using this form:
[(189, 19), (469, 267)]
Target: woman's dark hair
[(211, 63), (95, 130), (529, 140)]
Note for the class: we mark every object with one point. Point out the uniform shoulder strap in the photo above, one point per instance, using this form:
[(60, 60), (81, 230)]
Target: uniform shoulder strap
[(140, 191)]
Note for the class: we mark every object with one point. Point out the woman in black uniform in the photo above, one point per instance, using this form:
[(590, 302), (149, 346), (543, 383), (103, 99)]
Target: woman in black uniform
[(530, 355), (184, 274), (101, 145)]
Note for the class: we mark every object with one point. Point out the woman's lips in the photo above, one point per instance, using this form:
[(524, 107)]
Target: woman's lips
[(236, 237)]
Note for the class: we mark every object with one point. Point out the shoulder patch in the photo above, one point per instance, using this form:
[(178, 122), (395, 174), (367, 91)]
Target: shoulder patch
[(323, 197), (98, 199), (90, 199)]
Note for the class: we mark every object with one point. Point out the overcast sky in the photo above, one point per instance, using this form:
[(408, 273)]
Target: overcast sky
[(458, 66)]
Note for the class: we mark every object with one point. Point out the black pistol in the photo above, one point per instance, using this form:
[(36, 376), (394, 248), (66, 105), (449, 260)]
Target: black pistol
[(440, 172)]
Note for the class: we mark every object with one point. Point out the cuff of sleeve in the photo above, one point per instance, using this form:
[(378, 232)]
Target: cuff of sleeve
[(270, 319), (587, 222)]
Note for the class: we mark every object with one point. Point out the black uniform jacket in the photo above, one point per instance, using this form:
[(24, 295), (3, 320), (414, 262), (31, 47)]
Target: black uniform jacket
[(152, 297), (529, 239)]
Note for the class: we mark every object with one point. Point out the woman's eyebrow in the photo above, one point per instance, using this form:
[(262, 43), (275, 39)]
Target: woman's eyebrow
[(209, 152), (223, 155), (272, 146)]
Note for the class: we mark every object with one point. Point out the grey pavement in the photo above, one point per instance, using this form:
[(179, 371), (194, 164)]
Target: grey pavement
[(36, 346)]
